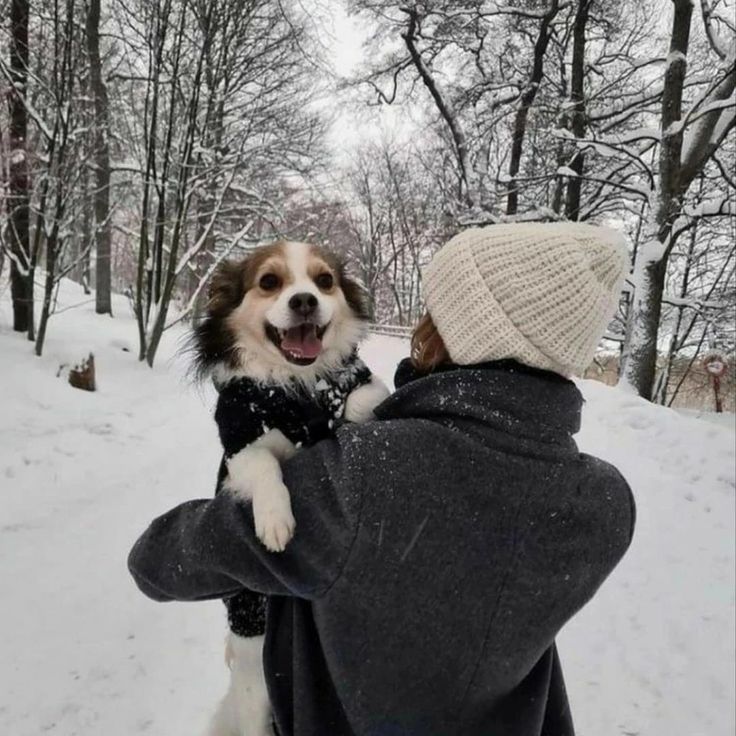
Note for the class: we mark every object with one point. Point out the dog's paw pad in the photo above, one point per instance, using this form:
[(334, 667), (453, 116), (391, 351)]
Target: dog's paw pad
[(275, 528)]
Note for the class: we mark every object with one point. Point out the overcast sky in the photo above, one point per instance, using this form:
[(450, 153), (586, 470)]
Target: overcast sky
[(355, 120)]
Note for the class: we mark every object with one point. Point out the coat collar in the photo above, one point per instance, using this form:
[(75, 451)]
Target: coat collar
[(520, 402)]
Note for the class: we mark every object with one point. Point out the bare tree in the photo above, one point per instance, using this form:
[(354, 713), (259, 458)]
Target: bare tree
[(18, 197), (491, 73), (577, 98), (102, 223), (398, 218), (61, 167), (214, 96), (699, 303), (525, 103), (689, 140), (559, 100)]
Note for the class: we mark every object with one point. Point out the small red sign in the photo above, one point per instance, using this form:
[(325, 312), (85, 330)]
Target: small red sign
[(716, 365)]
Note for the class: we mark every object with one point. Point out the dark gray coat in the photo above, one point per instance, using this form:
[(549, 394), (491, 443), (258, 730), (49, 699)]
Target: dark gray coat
[(438, 552)]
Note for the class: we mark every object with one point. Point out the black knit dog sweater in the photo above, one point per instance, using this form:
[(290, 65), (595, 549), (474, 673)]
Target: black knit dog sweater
[(247, 409)]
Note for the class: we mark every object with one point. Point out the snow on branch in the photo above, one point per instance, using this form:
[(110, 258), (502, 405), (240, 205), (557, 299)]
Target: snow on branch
[(224, 253), (615, 147), (717, 205), (675, 57), (711, 21), (30, 109), (202, 239), (725, 123), (697, 304), (714, 123)]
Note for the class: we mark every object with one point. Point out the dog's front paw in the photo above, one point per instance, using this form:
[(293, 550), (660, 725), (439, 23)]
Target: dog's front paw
[(275, 529), (363, 400), (274, 522)]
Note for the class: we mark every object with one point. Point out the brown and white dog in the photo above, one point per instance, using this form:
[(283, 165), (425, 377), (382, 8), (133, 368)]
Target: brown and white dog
[(286, 315), (256, 303)]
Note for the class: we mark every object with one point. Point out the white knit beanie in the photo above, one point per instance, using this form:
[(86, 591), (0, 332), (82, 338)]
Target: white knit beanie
[(540, 293)]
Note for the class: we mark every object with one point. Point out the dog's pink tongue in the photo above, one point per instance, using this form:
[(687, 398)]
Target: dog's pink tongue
[(302, 341)]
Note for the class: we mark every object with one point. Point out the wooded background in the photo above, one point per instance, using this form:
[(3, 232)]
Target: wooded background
[(144, 141)]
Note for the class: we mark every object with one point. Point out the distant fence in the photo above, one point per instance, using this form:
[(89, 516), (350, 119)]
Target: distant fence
[(392, 330)]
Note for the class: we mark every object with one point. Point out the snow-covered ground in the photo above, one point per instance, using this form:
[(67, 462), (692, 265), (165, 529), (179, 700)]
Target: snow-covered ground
[(81, 474)]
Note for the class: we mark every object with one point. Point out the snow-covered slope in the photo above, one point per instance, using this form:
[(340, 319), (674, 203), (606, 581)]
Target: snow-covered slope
[(653, 653), (81, 474)]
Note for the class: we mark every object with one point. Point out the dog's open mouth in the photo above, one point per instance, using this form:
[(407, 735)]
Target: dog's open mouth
[(300, 345)]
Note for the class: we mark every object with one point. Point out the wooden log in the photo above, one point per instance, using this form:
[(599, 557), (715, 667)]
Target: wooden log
[(82, 376)]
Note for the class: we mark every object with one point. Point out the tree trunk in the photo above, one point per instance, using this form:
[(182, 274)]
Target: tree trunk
[(18, 199), (527, 100), (103, 301), (561, 147), (48, 291), (660, 394), (577, 96), (168, 272), (640, 351), (87, 237)]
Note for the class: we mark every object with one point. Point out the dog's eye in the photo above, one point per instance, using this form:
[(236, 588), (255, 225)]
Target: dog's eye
[(325, 281), (269, 282)]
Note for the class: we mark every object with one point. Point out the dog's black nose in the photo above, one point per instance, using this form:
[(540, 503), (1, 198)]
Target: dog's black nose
[(303, 304)]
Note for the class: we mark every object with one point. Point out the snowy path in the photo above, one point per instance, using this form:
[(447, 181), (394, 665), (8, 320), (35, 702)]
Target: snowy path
[(81, 474)]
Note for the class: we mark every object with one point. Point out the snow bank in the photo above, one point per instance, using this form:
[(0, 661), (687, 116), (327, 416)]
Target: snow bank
[(653, 653), (81, 474)]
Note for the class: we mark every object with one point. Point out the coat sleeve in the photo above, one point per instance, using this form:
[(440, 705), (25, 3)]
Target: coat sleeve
[(207, 549)]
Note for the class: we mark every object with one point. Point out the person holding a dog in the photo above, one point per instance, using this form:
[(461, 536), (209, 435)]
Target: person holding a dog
[(440, 548)]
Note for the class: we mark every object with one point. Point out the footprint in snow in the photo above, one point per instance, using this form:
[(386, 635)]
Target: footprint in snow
[(101, 429)]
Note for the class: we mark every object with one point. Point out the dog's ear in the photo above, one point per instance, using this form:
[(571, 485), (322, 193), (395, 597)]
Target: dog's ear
[(356, 295), (226, 288), (211, 340)]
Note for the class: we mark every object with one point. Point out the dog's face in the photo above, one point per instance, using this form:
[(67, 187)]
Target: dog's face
[(288, 309)]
